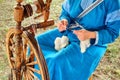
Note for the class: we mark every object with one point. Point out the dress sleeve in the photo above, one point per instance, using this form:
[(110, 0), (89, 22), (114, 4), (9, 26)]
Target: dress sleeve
[(65, 11), (112, 28)]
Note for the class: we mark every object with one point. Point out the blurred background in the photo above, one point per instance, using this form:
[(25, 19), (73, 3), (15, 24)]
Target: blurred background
[(108, 69)]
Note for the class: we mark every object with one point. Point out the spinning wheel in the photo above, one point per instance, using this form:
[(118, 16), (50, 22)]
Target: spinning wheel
[(22, 48)]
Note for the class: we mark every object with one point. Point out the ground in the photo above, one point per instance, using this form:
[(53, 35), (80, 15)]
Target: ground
[(108, 69)]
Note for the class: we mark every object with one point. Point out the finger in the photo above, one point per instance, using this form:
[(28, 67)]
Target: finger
[(62, 22), (61, 29), (65, 23), (82, 30), (76, 32), (59, 25)]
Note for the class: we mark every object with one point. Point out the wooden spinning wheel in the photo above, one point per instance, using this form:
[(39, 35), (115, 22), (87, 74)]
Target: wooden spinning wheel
[(22, 48)]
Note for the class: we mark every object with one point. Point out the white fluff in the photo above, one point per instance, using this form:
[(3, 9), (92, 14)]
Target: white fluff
[(84, 45), (64, 41), (57, 43), (61, 42)]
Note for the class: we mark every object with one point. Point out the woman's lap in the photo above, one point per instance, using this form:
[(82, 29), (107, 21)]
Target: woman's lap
[(48, 37), (68, 63)]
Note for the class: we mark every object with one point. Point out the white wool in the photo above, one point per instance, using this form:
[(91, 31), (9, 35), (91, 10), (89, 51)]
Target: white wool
[(64, 41), (84, 45), (57, 43), (61, 42)]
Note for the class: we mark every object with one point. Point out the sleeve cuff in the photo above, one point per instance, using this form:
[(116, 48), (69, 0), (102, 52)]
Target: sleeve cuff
[(97, 38), (94, 41), (66, 18)]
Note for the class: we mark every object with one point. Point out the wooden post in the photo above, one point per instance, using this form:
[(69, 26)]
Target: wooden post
[(18, 16), (46, 11)]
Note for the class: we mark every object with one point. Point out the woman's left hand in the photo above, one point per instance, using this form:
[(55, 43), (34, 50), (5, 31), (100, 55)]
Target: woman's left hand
[(84, 34)]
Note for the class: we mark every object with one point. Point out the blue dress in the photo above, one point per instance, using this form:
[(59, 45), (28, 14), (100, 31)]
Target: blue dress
[(69, 63)]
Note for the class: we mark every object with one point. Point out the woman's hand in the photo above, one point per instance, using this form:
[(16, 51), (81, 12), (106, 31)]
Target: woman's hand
[(84, 34), (62, 25)]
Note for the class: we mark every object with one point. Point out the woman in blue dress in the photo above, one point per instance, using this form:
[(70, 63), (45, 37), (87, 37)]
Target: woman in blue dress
[(101, 26)]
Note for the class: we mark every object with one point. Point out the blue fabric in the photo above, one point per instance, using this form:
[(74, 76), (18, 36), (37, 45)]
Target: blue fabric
[(69, 63)]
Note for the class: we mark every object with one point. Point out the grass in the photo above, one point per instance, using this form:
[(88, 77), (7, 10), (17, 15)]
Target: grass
[(108, 69), (1, 1)]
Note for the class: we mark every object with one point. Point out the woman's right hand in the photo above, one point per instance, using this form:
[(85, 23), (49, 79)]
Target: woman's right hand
[(62, 25)]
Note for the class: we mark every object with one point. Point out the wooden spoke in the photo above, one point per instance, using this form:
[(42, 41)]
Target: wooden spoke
[(26, 76), (11, 41), (11, 48), (34, 70), (32, 77), (31, 63), (24, 48), (30, 57), (29, 76), (12, 59), (35, 77)]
